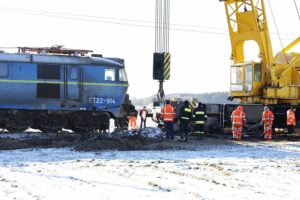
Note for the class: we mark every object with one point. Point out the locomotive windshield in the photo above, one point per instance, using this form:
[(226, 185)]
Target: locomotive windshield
[(110, 74), (122, 75)]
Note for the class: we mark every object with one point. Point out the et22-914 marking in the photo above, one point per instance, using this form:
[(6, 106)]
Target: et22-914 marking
[(102, 100)]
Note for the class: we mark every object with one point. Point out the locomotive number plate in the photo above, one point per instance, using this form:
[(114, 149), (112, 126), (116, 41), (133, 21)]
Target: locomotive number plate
[(101, 100)]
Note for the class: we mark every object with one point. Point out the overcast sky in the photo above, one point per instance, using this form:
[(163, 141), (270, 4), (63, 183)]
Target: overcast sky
[(200, 55)]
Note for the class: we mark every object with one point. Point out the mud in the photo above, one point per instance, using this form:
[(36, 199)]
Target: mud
[(144, 139)]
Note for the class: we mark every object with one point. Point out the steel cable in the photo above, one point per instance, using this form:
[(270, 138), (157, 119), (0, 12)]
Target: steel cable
[(96, 19), (297, 9), (277, 30)]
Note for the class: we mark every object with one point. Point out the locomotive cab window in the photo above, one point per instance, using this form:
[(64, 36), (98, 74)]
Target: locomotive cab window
[(122, 75), (3, 70), (110, 74)]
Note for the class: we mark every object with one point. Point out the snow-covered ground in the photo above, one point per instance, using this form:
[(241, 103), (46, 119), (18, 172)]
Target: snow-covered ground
[(242, 171)]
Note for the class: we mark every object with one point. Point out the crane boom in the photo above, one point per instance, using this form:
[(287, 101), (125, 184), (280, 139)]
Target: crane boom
[(247, 21)]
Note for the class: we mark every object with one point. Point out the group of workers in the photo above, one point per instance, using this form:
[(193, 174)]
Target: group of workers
[(186, 116), (166, 119), (133, 118), (198, 116), (238, 119)]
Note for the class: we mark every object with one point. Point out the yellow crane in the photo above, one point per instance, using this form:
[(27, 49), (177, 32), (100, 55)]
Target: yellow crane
[(273, 80)]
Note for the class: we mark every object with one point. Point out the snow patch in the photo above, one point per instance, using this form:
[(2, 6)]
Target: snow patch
[(240, 171)]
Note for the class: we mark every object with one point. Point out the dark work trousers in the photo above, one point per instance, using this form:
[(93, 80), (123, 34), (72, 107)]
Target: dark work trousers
[(169, 130), (290, 129), (143, 121), (184, 129), (199, 129)]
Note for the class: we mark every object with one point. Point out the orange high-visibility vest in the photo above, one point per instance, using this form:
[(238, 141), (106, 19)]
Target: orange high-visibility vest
[(267, 116), (238, 117), (168, 113), (291, 119)]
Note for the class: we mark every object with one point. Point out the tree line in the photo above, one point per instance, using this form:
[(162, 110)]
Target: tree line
[(213, 97)]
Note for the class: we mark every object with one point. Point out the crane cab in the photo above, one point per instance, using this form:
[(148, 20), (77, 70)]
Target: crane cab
[(246, 80)]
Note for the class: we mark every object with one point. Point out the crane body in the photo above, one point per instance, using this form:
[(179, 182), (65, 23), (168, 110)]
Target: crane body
[(273, 80)]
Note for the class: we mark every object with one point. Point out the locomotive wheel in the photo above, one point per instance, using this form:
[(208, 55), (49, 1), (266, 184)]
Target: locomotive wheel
[(82, 130), (15, 130), (2, 126), (17, 122), (50, 123), (82, 123), (49, 130)]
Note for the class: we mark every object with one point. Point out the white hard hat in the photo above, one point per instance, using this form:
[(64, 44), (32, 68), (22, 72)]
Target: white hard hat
[(266, 108)]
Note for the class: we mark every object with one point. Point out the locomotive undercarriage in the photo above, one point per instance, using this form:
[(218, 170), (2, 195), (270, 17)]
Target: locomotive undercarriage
[(54, 121)]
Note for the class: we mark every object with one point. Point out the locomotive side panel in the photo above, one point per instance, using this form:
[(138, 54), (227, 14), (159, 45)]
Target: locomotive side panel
[(31, 86), (17, 86)]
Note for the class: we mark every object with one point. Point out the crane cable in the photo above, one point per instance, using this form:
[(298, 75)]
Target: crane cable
[(162, 28), (297, 9), (277, 30)]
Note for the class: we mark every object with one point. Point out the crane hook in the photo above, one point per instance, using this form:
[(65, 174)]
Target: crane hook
[(161, 93)]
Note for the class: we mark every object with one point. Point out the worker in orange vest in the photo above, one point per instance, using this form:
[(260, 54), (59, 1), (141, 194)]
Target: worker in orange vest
[(238, 118), (132, 119), (267, 121), (291, 119), (168, 114)]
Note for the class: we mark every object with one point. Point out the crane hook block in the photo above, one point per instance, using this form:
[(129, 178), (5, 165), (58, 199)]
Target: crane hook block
[(161, 66)]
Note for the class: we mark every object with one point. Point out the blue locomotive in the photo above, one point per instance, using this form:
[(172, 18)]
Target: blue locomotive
[(54, 88)]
